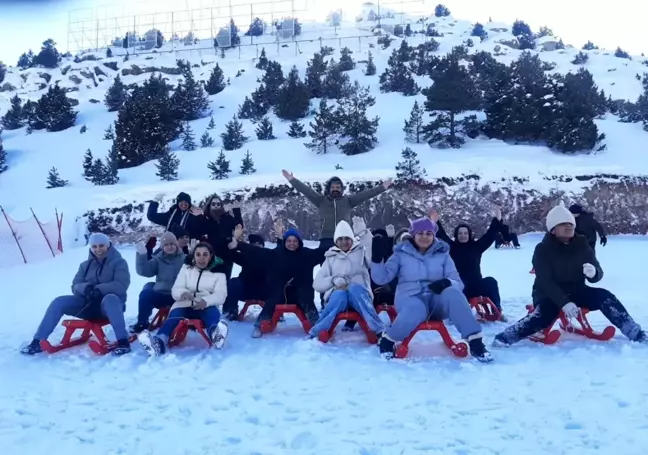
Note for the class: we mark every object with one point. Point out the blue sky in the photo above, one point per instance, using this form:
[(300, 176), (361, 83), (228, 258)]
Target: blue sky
[(27, 23)]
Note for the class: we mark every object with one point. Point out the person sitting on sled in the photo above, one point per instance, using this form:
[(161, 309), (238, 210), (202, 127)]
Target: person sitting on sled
[(98, 292), (289, 272), (563, 262), (164, 266), (344, 278), (429, 287), (198, 291), (466, 252), (506, 236)]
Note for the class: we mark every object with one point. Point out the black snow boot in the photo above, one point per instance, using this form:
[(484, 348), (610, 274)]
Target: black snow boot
[(386, 347), (32, 348), (478, 350), (123, 347), (139, 327)]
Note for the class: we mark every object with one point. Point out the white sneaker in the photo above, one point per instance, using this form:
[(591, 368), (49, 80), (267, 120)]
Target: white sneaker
[(219, 335)]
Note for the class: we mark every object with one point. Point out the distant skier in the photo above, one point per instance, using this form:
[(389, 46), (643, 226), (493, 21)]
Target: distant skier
[(588, 226)]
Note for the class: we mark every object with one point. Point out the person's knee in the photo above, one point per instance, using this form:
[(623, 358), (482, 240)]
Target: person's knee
[(490, 282), (111, 300), (452, 293)]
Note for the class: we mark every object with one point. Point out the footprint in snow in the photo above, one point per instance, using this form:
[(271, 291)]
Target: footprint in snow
[(304, 440)]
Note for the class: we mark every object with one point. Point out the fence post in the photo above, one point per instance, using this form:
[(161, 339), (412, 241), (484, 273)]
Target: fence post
[(43, 231), (59, 224), (14, 234)]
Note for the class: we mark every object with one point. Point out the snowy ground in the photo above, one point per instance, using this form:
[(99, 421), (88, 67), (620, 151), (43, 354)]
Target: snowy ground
[(285, 395)]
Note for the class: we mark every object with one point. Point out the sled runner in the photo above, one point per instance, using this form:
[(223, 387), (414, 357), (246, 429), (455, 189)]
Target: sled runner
[(389, 309), (180, 332), (551, 336), (100, 345), (159, 318), (485, 308), (271, 325), (248, 304), (325, 335), (504, 245), (458, 349)]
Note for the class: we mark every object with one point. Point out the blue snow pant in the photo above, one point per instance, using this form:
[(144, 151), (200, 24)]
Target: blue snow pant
[(356, 297), (209, 317), (237, 291), (150, 300), (111, 307), (450, 304)]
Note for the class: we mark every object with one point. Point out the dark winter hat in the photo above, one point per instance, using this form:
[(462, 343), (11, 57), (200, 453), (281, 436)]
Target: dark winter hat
[(178, 231), (183, 197), (423, 225), (379, 231), (576, 208), (256, 238), (292, 232), (329, 182)]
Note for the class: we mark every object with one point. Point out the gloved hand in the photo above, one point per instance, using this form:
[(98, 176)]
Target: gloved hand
[(96, 296), (141, 248), (359, 226), (603, 241), (589, 270), (571, 310), (339, 281), (391, 231), (377, 250), (151, 242), (87, 294), (439, 286)]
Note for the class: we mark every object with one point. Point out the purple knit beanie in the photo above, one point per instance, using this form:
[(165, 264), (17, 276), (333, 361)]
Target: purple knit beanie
[(422, 225)]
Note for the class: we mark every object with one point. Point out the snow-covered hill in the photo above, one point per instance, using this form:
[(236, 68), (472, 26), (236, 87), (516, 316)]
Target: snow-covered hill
[(31, 156)]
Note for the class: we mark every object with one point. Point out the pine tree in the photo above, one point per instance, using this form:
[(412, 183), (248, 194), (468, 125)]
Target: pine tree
[(315, 70), (296, 130), (233, 137), (397, 76), (54, 180), (216, 82), (48, 56), (98, 172), (336, 83), (454, 91), (109, 53), (441, 11), (346, 61), (212, 124), (262, 63), (408, 30), (255, 108), (324, 129), (3, 156), (414, 126), (13, 118), (109, 134), (479, 31), (371, 66), (409, 169), (293, 101), (116, 95), (247, 165), (188, 138), (220, 169), (357, 132), (111, 176), (167, 165), (264, 131), (272, 79), (54, 111), (189, 99), (88, 160), (206, 140)]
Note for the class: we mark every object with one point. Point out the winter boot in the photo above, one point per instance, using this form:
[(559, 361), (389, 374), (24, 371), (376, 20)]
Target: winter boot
[(32, 348), (139, 327), (478, 350), (153, 345), (387, 347), (256, 332), (219, 334), (349, 326), (123, 347), (501, 342), (231, 315), (642, 337)]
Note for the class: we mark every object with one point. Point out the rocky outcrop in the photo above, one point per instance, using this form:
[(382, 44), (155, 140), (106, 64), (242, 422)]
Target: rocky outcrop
[(136, 70), (618, 201)]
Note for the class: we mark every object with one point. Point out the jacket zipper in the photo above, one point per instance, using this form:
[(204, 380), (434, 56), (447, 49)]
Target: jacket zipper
[(197, 284)]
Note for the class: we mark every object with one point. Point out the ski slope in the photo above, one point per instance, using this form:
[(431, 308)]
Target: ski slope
[(285, 395)]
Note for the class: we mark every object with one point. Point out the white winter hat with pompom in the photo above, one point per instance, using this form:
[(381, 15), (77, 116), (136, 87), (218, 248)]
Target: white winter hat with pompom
[(559, 215)]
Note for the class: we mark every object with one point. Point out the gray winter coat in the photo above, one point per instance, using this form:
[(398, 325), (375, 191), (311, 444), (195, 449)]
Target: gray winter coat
[(164, 267), (109, 275)]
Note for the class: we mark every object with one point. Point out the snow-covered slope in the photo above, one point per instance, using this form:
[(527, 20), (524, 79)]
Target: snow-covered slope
[(31, 156)]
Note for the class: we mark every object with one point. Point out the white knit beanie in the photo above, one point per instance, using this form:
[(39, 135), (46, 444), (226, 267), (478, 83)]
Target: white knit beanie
[(559, 215), (343, 230)]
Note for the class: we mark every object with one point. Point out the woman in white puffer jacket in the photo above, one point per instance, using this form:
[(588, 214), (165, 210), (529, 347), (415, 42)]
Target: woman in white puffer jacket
[(344, 277)]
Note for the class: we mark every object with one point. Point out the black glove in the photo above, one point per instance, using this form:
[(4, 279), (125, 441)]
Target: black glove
[(95, 296), (377, 250), (603, 241), (439, 286), (88, 292)]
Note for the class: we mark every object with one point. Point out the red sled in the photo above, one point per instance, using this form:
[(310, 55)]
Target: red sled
[(551, 336), (325, 335), (271, 325), (160, 317), (101, 345), (485, 308), (458, 349), (389, 309), (247, 305), (181, 331)]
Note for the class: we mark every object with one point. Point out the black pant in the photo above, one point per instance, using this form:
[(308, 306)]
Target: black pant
[(239, 290), (593, 299), (511, 237), (303, 297), (486, 287), (593, 246)]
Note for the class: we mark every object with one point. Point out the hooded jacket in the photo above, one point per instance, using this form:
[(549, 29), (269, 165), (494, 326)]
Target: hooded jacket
[(333, 210), (352, 265), (207, 284), (219, 230), (588, 226), (109, 275), (175, 216)]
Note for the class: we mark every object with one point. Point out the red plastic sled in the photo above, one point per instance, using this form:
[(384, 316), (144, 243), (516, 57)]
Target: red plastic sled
[(551, 336), (391, 311), (248, 304), (180, 332), (325, 335), (280, 310), (485, 308), (101, 345), (458, 349), (159, 318)]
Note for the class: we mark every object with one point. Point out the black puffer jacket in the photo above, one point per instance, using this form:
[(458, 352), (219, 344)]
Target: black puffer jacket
[(588, 226)]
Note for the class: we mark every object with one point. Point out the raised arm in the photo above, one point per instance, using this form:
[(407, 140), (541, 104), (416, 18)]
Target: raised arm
[(365, 238), (145, 267), (441, 233), (154, 217), (489, 237), (384, 272), (313, 196), (363, 196)]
